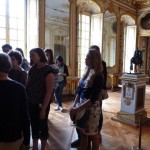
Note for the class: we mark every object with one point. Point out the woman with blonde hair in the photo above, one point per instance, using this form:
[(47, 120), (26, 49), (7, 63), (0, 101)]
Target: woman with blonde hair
[(85, 110)]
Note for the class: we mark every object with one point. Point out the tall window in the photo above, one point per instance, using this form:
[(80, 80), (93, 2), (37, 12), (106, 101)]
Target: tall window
[(83, 41), (32, 25), (129, 47), (96, 30), (12, 22), (89, 33)]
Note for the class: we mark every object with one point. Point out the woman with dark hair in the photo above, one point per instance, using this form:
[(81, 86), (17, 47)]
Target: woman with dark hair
[(55, 69), (24, 64), (85, 110), (13, 110), (95, 47), (17, 73), (63, 73), (39, 87)]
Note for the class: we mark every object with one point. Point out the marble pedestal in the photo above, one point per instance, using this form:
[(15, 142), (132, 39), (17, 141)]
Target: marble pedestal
[(132, 99)]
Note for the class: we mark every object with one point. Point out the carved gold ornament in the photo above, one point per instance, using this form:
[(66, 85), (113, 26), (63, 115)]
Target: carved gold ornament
[(128, 93), (141, 2)]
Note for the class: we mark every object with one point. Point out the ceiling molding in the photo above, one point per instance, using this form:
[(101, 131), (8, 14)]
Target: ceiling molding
[(88, 6), (126, 4), (56, 22), (144, 9)]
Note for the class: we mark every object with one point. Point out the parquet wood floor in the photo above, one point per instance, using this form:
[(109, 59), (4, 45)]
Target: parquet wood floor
[(115, 135)]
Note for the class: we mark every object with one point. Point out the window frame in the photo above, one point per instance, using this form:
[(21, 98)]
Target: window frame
[(8, 27)]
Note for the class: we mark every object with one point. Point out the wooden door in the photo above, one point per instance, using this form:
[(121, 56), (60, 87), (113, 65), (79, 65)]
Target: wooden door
[(145, 47), (148, 57)]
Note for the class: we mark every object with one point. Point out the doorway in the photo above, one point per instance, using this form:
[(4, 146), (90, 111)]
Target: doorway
[(145, 47)]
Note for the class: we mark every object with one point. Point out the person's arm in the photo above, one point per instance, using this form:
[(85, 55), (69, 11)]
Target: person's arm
[(94, 93), (65, 73), (28, 78), (105, 74), (77, 95), (76, 100), (25, 123), (49, 91), (23, 78), (96, 88), (84, 105)]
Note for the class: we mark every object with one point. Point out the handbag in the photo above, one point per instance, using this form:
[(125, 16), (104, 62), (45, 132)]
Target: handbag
[(104, 94), (78, 115)]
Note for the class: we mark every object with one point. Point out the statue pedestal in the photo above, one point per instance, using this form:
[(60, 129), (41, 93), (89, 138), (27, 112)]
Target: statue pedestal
[(132, 99)]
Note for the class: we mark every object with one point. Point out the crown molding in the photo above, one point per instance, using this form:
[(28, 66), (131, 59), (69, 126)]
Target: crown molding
[(52, 21), (125, 3), (144, 9)]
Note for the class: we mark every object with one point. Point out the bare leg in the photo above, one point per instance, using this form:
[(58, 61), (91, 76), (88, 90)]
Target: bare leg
[(95, 142), (43, 144), (84, 141), (35, 144)]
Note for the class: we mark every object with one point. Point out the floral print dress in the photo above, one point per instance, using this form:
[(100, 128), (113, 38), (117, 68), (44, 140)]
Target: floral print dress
[(88, 119)]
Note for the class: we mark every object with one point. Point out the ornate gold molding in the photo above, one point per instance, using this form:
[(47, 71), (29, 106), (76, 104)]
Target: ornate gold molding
[(141, 3), (119, 7), (73, 38), (89, 6), (128, 95), (141, 31), (132, 119)]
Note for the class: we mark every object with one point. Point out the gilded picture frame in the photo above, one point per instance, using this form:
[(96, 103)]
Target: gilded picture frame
[(128, 93)]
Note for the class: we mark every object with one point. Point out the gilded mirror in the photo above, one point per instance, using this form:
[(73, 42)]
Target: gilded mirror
[(57, 28), (109, 38)]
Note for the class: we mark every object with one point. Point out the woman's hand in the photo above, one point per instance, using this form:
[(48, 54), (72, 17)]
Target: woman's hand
[(73, 110), (42, 114), (24, 147), (62, 74)]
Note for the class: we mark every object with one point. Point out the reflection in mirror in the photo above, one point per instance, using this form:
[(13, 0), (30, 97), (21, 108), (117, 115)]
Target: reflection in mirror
[(109, 38), (57, 28), (129, 41)]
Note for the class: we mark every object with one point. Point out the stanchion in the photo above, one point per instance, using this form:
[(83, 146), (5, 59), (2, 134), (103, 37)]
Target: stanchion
[(140, 135)]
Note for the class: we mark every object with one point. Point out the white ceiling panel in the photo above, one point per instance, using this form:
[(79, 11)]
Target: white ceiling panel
[(57, 9)]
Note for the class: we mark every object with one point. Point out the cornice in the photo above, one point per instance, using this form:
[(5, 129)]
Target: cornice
[(144, 9), (51, 21), (126, 4)]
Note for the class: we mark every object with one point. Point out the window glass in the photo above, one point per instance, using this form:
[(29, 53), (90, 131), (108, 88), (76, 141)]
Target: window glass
[(13, 23), (3, 7), (13, 34), (2, 21), (20, 35), (13, 43), (2, 33), (12, 26)]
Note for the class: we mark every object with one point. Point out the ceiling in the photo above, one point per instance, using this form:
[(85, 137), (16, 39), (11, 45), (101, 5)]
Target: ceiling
[(57, 9)]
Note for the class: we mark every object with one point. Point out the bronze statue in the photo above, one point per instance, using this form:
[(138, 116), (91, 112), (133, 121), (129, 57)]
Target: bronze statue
[(137, 60)]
